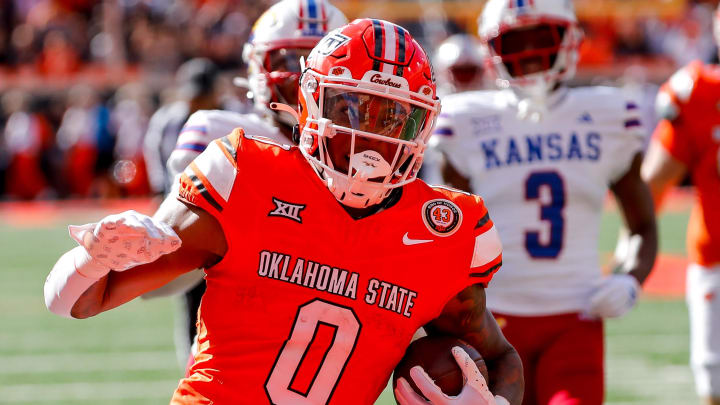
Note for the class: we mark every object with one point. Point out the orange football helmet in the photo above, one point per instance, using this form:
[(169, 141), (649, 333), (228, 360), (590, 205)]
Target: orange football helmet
[(368, 104)]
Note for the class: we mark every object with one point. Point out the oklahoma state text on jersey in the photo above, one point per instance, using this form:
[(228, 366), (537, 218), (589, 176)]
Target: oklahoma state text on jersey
[(311, 306), (690, 131)]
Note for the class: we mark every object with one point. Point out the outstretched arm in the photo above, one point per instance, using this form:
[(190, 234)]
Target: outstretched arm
[(203, 244), (467, 317)]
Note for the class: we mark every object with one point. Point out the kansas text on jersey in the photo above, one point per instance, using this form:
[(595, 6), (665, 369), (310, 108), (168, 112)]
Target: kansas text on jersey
[(545, 183)]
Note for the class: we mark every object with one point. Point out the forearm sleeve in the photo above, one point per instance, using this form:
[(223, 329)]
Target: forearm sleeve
[(67, 282)]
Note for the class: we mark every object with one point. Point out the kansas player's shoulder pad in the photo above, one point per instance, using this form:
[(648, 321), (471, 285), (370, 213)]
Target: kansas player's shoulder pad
[(194, 134), (608, 105), (599, 97), (458, 109), (472, 101)]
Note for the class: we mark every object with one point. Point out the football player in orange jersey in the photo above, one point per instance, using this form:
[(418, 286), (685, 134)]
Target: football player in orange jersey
[(312, 296), (687, 141), (280, 36)]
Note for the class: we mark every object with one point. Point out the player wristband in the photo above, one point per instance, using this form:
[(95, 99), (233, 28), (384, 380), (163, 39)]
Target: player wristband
[(71, 276)]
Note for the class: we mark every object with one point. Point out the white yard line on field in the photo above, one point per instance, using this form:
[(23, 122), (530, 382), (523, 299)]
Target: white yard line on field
[(69, 362), (655, 384), (88, 391)]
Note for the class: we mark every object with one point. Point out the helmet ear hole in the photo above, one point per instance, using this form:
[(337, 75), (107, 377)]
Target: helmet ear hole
[(296, 134)]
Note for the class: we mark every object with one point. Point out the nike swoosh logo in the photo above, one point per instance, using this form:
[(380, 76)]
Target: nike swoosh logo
[(409, 242)]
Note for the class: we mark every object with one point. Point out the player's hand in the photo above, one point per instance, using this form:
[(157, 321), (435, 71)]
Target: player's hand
[(475, 391), (121, 241), (615, 296)]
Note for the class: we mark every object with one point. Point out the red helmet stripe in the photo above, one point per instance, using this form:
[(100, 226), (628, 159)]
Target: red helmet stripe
[(324, 16), (401, 33), (301, 14)]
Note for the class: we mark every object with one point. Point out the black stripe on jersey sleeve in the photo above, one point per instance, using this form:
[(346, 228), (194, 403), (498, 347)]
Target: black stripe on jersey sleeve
[(203, 192), (487, 272), (484, 220), (225, 142)]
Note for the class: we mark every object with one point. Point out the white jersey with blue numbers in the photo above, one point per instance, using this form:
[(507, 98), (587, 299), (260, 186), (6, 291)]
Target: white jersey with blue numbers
[(205, 126), (544, 184)]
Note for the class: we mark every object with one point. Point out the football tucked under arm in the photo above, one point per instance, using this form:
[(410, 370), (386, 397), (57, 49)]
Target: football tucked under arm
[(466, 317), (474, 392)]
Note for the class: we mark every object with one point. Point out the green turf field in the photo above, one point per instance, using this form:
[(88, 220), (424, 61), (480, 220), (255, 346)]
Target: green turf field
[(126, 356)]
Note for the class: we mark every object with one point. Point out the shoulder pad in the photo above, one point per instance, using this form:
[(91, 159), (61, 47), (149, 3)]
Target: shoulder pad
[(266, 140), (665, 106), (198, 118), (449, 192), (208, 181), (471, 101), (682, 83)]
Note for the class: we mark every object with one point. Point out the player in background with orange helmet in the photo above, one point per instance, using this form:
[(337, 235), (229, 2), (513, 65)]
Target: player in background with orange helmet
[(322, 259), (687, 142)]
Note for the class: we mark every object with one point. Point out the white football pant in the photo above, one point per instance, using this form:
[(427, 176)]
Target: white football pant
[(703, 300)]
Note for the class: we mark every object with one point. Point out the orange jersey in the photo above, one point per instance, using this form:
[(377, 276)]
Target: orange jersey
[(311, 306), (690, 132)]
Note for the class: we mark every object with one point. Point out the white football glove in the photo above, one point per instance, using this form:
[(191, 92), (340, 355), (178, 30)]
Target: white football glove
[(615, 296), (121, 241), (475, 391)]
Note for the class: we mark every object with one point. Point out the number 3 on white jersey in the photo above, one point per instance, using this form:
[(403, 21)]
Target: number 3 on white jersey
[(552, 212), (307, 322)]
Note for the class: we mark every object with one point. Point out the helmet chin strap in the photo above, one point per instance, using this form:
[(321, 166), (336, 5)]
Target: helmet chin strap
[(283, 113), (290, 115)]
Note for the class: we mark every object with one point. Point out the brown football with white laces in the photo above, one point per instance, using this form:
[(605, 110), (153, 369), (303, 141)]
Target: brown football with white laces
[(434, 355)]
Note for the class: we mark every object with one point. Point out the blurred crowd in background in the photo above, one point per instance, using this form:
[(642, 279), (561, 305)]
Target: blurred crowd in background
[(81, 79)]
